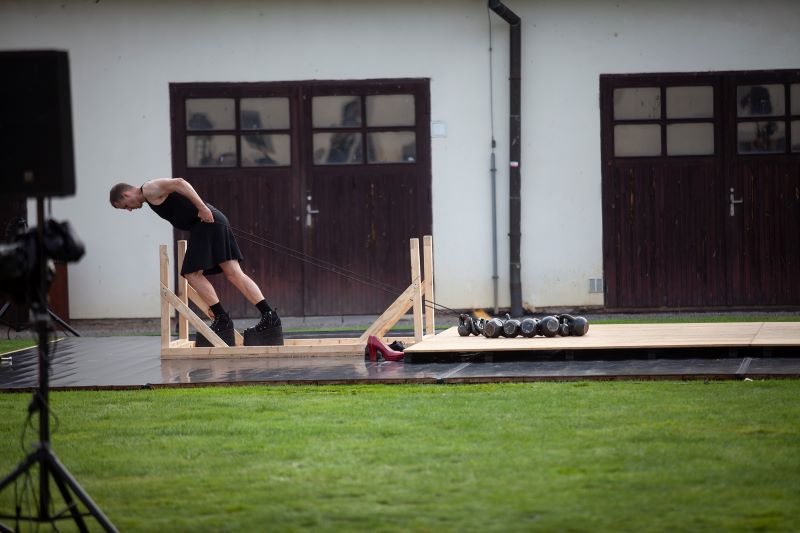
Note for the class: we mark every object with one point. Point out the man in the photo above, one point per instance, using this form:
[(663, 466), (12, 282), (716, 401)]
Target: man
[(211, 249)]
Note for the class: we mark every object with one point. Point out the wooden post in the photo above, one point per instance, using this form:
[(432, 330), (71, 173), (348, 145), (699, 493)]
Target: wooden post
[(427, 248), (416, 283), (164, 259), (183, 292)]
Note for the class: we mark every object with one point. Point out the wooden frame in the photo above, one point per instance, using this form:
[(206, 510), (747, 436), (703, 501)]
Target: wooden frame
[(419, 291)]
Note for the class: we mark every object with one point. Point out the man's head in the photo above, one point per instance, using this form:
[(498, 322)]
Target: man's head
[(124, 196)]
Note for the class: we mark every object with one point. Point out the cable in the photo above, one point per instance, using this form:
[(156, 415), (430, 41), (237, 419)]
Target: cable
[(327, 265)]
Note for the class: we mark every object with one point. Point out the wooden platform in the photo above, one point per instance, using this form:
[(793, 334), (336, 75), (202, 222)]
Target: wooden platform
[(626, 336)]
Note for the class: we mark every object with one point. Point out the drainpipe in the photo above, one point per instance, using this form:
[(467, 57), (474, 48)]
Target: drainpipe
[(515, 79)]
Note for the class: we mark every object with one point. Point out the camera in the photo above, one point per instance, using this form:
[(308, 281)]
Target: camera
[(19, 259)]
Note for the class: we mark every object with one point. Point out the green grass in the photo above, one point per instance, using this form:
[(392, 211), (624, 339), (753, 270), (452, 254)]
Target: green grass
[(587, 456), (11, 345)]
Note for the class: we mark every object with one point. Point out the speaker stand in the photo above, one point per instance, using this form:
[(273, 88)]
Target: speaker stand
[(49, 465)]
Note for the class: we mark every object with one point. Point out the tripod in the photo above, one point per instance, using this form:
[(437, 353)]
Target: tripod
[(22, 327), (49, 465)]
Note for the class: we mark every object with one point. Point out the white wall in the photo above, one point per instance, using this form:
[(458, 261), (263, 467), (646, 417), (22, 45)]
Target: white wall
[(124, 55)]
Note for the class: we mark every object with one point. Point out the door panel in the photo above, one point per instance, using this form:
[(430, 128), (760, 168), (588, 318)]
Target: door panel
[(250, 179), (763, 171), (364, 223), (668, 233), (368, 176), (663, 235)]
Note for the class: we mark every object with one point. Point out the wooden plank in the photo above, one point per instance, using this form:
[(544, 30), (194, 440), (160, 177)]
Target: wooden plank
[(292, 348), (625, 336), (427, 285), (389, 318), (183, 323), (251, 352), (778, 334), (415, 282), (199, 325), (181, 343), (164, 274)]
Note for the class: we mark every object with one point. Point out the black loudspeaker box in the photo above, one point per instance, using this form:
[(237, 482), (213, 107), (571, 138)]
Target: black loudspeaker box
[(36, 154)]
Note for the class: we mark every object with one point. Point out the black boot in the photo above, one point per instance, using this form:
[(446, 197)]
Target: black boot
[(222, 325), (268, 331)]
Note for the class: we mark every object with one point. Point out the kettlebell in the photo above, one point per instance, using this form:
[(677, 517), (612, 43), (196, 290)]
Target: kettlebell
[(492, 328), (549, 326), (464, 325), (528, 327), (578, 325), (511, 328)]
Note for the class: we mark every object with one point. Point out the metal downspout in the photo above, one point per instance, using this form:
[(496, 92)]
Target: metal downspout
[(515, 80)]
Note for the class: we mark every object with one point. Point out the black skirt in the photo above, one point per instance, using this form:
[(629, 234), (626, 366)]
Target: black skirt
[(209, 245)]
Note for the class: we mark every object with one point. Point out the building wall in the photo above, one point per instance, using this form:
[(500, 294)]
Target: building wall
[(124, 55)]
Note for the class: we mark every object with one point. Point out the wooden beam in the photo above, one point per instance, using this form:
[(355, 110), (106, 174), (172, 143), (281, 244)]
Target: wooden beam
[(427, 285), (164, 260), (183, 323), (389, 318), (198, 324), (416, 283)]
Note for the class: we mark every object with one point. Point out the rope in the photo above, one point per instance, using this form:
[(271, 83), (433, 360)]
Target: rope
[(328, 266)]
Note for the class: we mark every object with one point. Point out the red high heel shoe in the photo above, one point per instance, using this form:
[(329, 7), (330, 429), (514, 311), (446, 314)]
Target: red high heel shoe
[(378, 352)]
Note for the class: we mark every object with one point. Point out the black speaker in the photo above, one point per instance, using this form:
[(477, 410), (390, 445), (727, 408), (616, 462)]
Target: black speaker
[(36, 156)]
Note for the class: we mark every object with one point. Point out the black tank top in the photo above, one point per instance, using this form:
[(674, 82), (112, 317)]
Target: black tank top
[(177, 210)]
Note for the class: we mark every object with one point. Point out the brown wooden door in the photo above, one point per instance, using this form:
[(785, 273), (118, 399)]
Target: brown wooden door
[(367, 191), (663, 236), (249, 150), (763, 173), (679, 153)]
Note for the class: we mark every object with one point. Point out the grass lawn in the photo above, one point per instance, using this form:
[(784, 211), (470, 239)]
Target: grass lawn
[(12, 345), (586, 456)]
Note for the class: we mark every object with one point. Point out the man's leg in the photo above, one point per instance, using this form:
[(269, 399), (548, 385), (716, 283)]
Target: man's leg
[(203, 287), (243, 282), (222, 324), (268, 331)]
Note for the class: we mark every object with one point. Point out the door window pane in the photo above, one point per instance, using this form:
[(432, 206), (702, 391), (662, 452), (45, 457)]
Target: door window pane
[(794, 97), (392, 147), (210, 114), (634, 103), (337, 148), (390, 110), (690, 102), (761, 137), (690, 139), (264, 113), (266, 150), (211, 151), (336, 111), (796, 136), (760, 100), (637, 140)]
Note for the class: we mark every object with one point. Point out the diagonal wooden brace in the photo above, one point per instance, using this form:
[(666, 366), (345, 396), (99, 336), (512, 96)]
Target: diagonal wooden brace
[(193, 319)]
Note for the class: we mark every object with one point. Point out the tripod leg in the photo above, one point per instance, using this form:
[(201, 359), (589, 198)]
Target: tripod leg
[(60, 470), (21, 469), (71, 504), (62, 323)]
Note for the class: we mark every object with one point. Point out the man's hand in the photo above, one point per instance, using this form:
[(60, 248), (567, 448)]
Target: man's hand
[(205, 214)]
